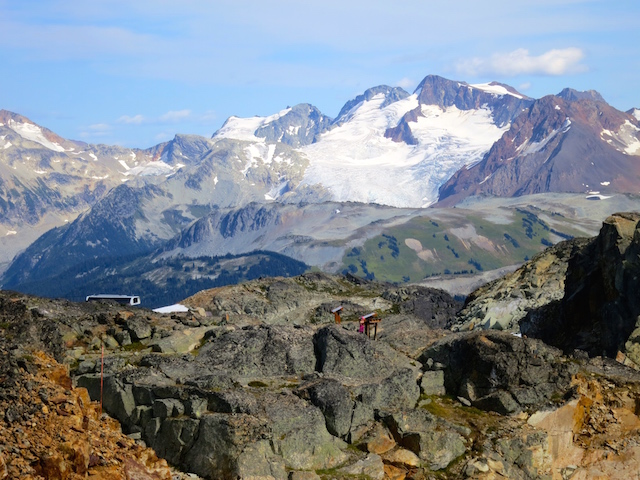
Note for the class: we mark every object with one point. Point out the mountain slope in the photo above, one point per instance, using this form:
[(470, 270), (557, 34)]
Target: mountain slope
[(46, 180), (571, 142)]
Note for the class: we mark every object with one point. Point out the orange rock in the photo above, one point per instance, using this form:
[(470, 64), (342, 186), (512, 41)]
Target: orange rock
[(106, 473), (83, 398), (53, 467), (134, 470), (394, 473), (381, 441), (60, 375), (402, 457), (3, 468), (77, 453)]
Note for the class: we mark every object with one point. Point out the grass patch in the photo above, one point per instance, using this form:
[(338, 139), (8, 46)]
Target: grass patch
[(134, 347), (257, 384)]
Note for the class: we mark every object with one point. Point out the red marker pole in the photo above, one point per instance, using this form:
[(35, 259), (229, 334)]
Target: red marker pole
[(101, 377)]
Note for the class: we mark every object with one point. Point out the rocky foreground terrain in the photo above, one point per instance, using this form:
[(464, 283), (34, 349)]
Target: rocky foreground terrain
[(257, 381)]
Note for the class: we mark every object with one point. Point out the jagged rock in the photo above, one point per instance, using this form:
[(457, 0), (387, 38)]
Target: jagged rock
[(371, 467), (221, 440), (478, 365), (300, 434), (334, 401), (174, 437), (167, 407), (599, 311), (139, 328), (353, 355), (436, 442), (505, 302)]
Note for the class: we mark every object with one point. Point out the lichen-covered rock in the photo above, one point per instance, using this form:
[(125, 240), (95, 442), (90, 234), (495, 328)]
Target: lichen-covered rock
[(351, 354), (221, 440), (300, 435), (503, 303), (265, 350), (334, 401)]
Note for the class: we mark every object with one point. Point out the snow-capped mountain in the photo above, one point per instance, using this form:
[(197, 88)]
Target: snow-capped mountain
[(387, 146), (46, 180), (570, 142), (635, 112)]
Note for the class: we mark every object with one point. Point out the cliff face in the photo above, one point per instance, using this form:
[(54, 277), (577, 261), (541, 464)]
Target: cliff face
[(579, 294), (600, 307), (561, 143)]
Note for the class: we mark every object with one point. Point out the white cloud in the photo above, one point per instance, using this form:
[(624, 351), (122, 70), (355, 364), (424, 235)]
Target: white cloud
[(524, 86), (99, 127), (136, 119), (163, 136), (405, 83), (96, 130), (208, 116), (175, 116), (519, 62)]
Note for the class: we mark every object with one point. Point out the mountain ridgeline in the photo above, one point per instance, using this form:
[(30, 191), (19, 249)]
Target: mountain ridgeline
[(310, 187)]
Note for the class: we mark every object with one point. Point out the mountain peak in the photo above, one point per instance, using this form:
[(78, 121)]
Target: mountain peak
[(572, 95), (392, 94), (635, 112), (300, 125), (6, 116), (504, 101)]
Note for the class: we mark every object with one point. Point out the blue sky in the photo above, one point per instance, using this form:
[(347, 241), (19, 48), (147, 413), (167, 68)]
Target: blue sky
[(136, 72)]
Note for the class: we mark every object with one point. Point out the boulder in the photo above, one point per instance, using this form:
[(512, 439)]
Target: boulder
[(436, 442), (299, 433), (139, 328), (334, 401), (501, 372), (432, 383), (265, 350), (258, 462), (351, 354), (221, 440)]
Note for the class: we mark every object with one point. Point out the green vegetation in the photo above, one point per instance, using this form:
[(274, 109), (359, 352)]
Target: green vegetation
[(257, 384), (465, 244)]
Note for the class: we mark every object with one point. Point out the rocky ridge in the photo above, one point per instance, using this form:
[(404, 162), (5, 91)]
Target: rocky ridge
[(539, 152), (578, 294), (257, 381)]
